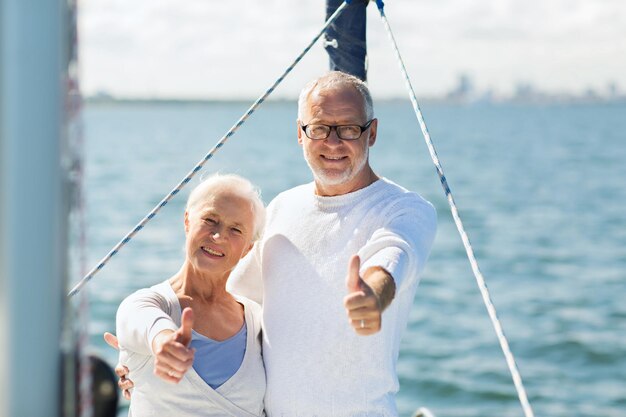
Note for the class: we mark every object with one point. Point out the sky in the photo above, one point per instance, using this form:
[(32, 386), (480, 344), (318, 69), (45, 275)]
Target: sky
[(210, 49)]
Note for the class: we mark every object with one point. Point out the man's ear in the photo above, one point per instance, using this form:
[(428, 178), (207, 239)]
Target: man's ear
[(299, 129), (373, 130)]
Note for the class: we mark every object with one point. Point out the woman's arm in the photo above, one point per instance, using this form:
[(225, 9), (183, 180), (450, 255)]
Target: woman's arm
[(140, 317)]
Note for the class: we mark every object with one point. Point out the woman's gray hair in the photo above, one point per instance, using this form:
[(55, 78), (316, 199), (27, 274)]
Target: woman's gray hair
[(240, 186), (334, 79)]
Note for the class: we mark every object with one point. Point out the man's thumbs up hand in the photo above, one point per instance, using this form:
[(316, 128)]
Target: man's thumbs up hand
[(361, 303)]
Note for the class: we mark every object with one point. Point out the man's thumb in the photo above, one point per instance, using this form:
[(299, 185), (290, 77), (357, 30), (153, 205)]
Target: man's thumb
[(186, 324), (353, 280)]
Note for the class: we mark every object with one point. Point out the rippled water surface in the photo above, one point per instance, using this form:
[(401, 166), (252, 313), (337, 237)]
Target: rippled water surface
[(542, 193)]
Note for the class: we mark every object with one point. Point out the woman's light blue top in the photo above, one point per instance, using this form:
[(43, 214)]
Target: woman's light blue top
[(215, 361)]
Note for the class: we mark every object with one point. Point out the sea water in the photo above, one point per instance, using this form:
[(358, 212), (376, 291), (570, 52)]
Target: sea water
[(541, 190)]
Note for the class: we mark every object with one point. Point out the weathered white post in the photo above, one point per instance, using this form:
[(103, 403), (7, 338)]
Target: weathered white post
[(33, 242)]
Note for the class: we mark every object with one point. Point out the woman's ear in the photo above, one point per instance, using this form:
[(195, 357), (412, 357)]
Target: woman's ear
[(245, 252), (186, 221)]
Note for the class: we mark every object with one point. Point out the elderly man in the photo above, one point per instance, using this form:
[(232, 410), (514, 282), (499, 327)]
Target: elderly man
[(339, 260), (317, 363)]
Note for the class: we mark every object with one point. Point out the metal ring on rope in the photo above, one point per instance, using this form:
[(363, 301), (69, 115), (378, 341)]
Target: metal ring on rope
[(208, 156), (510, 360)]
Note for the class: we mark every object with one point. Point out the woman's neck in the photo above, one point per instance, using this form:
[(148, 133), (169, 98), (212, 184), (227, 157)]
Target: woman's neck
[(190, 284), (217, 314)]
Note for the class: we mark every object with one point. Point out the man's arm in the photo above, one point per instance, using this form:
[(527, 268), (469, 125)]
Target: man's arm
[(368, 296), (394, 257), (382, 284), (121, 370)]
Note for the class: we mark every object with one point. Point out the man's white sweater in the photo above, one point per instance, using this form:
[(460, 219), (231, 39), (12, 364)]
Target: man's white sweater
[(316, 365)]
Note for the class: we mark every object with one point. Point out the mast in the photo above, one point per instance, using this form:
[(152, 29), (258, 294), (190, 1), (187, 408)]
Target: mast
[(33, 210)]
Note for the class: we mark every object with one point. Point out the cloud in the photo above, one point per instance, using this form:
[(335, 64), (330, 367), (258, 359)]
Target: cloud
[(208, 48)]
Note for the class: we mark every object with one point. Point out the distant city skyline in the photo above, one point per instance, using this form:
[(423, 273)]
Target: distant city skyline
[(221, 50), (463, 92)]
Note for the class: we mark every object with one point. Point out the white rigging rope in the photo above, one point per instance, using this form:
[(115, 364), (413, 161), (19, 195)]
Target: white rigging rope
[(480, 280), (208, 156)]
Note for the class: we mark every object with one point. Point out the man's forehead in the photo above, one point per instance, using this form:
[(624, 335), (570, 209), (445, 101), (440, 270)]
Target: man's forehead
[(339, 91), (341, 101)]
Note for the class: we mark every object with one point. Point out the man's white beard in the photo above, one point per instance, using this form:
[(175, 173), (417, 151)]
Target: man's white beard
[(335, 178)]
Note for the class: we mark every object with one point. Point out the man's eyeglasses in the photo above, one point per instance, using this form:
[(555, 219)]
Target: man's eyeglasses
[(344, 132)]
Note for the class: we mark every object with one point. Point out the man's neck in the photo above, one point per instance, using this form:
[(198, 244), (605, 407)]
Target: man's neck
[(368, 177)]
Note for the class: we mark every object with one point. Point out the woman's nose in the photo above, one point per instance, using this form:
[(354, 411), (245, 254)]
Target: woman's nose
[(216, 233)]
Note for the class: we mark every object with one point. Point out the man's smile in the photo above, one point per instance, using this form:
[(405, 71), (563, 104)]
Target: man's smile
[(333, 158)]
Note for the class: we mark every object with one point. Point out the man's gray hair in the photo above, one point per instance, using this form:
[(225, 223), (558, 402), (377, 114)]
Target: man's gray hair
[(334, 79), (238, 185)]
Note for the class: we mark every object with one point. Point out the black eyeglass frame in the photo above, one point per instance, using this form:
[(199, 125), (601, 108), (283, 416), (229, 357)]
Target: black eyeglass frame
[(334, 127)]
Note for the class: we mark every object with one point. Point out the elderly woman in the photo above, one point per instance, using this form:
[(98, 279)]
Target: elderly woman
[(192, 348)]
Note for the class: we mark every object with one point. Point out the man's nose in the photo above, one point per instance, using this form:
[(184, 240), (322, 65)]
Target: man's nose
[(333, 138)]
